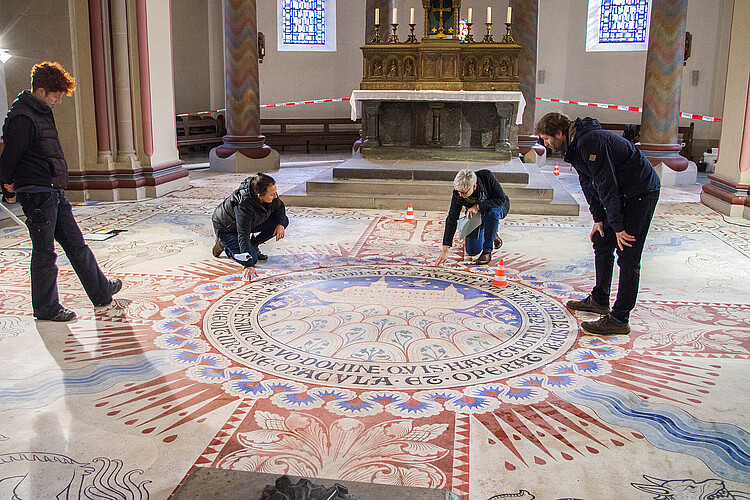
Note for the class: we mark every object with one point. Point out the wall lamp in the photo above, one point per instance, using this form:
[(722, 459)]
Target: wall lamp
[(5, 55)]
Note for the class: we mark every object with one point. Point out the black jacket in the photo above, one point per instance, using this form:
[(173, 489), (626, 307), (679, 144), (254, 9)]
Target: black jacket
[(490, 195), (42, 162), (242, 212), (610, 169)]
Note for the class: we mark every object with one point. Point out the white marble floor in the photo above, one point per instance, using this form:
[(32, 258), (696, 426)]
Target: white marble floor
[(352, 357)]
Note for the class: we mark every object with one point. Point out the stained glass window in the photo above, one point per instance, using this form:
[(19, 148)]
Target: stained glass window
[(623, 21), (463, 29), (307, 25), (305, 22), (617, 25)]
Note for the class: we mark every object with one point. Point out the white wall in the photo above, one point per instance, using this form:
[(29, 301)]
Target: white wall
[(570, 72), (190, 55), (618, 77), (297, 76)]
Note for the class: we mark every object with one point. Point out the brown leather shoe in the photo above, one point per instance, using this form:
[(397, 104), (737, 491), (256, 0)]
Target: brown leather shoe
[(497, 243), (484, 259), (587, 305), (606, 325), (218, 248)]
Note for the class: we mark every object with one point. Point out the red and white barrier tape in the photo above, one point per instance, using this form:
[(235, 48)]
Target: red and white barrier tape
[(314, 101), (638, 109), (690, 116)]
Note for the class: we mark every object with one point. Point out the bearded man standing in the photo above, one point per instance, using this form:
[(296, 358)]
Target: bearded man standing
[(622, 190)]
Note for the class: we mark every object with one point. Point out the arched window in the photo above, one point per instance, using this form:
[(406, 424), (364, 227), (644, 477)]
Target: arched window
[(618, 25), (306, 25)]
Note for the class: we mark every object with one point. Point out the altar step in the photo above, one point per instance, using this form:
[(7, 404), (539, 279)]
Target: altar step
[(391, 185)]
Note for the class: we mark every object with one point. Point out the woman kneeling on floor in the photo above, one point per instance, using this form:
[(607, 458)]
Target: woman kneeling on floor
[(486, 202), (251, 215)]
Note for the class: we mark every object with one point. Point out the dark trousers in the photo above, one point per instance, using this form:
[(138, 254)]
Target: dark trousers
[(49, 218), (637, 214), (482, 239), (265, 231)]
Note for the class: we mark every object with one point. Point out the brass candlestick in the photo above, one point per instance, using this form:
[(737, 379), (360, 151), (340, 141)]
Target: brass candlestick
[(508, 38), (469, 37), (394, 37), (376, 36), (488, 37), (411, 38)]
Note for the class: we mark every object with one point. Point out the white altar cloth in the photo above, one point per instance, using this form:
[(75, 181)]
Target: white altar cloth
[(435, 95)]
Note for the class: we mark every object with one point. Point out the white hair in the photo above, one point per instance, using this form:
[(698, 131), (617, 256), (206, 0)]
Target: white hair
[(465, 180)]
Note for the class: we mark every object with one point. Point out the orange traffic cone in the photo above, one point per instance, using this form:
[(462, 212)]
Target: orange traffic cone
[(409, 214), (556, 171), (500, 279)]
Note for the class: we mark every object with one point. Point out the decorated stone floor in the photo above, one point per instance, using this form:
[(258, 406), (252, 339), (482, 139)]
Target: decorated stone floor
[(353, 357)]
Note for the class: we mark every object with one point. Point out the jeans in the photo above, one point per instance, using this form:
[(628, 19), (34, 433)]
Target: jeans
[(482, 238), (637, 214), (265, 231), (49, 218)]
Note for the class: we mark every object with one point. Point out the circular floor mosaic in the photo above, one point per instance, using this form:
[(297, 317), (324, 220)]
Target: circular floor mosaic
[(395, 327)]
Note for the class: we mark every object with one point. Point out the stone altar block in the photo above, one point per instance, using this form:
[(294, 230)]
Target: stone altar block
[(439, 124)]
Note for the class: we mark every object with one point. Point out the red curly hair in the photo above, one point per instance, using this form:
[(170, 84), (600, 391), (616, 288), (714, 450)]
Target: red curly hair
[(52, 77)]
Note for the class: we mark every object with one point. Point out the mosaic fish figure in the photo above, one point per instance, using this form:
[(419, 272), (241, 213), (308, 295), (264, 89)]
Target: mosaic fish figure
[(687, 489), (521, 495), (42, 476)]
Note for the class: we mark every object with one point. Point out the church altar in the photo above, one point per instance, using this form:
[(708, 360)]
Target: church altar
[(440, 124), (447, 96)]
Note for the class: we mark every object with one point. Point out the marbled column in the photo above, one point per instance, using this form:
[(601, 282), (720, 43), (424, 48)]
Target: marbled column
[(242, 82), (385, 7), (663, 85), (525, 31)]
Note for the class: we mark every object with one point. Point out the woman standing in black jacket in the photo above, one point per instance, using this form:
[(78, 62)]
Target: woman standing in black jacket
[(252, 208)]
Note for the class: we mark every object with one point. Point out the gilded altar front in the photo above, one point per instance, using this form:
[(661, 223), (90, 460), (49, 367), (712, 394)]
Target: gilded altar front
[(440, 64), (450, 128)]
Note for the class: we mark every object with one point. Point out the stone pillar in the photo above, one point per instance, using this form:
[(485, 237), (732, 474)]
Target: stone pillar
[(98, 67), (729, 188), (385, 7), (661, 92), (134, 155), (123, 104), (243, 142)]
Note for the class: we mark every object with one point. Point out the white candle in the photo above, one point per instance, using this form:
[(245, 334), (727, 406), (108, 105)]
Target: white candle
[(469, 21), (489, 14), (411, 16), (377, 16), (394, 16), (509, 11)]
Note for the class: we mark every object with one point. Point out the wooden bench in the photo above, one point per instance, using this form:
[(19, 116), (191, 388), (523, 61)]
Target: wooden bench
[(283, 132), (200, 131), (279, 132), (685, 135)]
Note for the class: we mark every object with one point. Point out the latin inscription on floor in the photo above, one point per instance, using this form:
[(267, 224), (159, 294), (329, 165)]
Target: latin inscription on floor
[(395, 327)]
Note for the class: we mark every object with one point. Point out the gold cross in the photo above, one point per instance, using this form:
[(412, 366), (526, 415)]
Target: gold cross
[(442, 9)]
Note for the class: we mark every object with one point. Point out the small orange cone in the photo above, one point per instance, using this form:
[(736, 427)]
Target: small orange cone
[(556, 171), (409, 214), (500, 279)]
